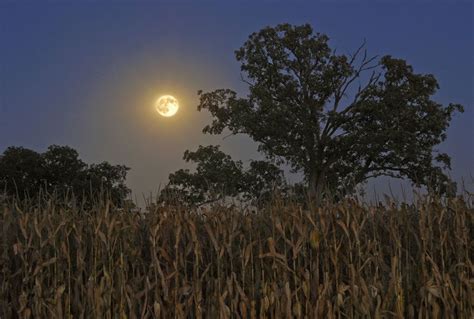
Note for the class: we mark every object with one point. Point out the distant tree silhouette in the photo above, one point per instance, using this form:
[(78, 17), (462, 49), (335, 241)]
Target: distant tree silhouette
[(63, 170), (218, 177), (21, 171), (338, 119), (24, 173), (107, 177)]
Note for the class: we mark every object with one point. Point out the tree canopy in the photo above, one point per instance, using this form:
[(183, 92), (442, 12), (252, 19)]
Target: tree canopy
[(24, 172), (218, 177), (340, 119)]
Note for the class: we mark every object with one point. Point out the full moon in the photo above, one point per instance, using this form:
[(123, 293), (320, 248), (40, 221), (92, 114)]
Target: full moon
[(167, 105)]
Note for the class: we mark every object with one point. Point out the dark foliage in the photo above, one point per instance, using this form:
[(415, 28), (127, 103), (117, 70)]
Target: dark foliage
[(218, 177), (24, 173), (338, 119)]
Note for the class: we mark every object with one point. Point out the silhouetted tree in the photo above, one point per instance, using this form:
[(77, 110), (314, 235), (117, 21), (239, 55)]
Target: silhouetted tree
[(262, 180), (218, 177), (109, 178), (64, 170), (24, 173), (21, 171), (338, 119)]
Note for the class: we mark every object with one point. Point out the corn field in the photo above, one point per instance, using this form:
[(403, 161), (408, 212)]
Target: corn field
[(344, 260)]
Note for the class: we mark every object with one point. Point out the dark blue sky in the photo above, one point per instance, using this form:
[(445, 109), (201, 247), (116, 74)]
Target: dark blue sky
[(86, 73)]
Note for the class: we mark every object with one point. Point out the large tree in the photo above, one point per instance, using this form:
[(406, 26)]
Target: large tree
[(339, 119)]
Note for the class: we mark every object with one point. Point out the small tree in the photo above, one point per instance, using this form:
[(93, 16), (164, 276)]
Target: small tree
[(338, 119), (218, 177), (109, 179)]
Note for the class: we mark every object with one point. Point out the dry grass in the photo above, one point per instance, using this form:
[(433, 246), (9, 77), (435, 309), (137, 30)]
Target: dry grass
[(343, 260)]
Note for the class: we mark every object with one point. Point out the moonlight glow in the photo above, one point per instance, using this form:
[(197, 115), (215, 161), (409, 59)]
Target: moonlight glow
[(167, 105)]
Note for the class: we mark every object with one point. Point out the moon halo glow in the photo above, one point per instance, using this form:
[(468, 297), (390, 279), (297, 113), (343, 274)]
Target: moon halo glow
[(167, 105)]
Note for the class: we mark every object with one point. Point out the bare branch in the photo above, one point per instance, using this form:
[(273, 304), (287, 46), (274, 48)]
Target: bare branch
[(245, 81)]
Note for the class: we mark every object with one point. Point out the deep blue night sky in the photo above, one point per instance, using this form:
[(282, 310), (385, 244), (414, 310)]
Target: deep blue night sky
[(85, 74)]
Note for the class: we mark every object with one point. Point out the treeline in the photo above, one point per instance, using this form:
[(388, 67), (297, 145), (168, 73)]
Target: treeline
[(25, 173)]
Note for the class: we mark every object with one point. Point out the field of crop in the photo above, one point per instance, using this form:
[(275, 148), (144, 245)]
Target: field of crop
[(343, 260)]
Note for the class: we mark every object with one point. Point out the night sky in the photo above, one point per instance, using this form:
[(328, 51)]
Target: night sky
[(86, 74)]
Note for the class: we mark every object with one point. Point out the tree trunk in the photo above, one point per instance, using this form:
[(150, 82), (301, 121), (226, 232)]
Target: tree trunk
[(316, 186)]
